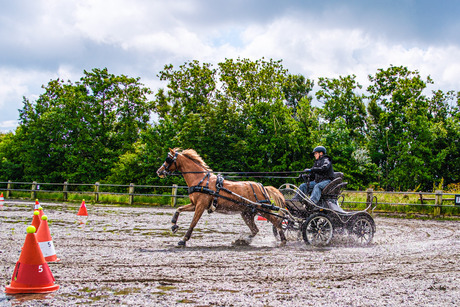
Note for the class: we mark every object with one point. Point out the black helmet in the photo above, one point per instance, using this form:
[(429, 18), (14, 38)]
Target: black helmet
[(319, 149)]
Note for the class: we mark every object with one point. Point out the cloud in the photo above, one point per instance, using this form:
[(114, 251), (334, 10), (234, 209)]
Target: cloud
[(44, 40)]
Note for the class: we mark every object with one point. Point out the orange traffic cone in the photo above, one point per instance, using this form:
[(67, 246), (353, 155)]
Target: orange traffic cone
[(46, 242), (31, 273), (83, 210), (40, 212), (2, 200), (36, 220), (37, 205)]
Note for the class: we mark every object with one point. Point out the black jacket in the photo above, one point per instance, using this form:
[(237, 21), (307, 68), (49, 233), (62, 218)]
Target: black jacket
[(322, 169)]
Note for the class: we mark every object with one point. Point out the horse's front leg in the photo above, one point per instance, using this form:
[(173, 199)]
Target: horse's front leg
[(199, 209), (189, 207)]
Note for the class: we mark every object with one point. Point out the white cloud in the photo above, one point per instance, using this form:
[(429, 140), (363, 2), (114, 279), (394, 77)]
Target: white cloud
[(50, 39), (316, 51)]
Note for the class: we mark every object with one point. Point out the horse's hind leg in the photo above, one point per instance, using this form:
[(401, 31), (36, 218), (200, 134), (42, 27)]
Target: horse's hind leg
[(277, 222), (189, 207), (248, 218)]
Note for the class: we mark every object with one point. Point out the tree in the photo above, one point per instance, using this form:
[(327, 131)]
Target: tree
[(400, 127), (77, 131), (245, 124), (341, 101)]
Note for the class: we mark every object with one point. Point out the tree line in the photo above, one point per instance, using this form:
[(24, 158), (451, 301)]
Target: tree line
[(240, 115)]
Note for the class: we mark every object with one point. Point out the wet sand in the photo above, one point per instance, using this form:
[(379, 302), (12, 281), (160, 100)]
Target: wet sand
[(127, 256)]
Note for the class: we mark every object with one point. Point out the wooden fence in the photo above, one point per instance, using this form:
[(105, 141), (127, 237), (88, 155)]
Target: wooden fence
[(436, 199)]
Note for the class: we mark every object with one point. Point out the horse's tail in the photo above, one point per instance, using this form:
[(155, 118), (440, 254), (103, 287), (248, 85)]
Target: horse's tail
[(276, 196)]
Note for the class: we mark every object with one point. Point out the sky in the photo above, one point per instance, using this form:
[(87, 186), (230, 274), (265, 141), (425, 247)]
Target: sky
[(42, 40)]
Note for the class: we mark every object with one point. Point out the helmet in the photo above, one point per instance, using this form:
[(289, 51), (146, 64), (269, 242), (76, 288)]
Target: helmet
[(320, 149)]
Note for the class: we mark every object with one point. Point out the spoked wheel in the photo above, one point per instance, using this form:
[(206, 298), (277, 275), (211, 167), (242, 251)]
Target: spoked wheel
[(290, 228), (362, 229), (317, 230)]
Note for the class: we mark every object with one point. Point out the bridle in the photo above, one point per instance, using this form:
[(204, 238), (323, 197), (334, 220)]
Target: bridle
[(170, 160)]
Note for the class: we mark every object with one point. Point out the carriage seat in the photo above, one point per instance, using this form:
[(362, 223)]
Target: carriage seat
[(335, 187), (331, 192)]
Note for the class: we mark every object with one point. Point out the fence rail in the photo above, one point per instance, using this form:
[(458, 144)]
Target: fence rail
[(438, 198)]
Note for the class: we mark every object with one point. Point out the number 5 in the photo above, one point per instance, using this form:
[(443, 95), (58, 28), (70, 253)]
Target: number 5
[(40, 268)]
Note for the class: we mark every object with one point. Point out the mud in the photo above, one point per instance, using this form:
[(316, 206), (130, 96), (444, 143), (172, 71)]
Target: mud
[(127, 256)]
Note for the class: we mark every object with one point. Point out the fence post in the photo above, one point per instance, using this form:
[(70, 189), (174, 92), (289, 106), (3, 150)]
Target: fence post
[(131, 192), (369, 196), (438, 203), (174, 197), (96, 192), (64, 191), (8, 188), (33, 191)]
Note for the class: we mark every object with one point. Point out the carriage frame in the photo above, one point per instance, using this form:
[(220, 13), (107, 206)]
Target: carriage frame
[(319, 223)]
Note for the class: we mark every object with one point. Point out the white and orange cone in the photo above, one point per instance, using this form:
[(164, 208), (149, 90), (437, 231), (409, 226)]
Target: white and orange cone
[(37, 205), (31, 273), (36, 220), (40, 212), (46, 242), (2, 200)]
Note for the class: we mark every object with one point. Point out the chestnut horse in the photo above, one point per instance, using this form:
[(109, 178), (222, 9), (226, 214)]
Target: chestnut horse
[(210, 192)]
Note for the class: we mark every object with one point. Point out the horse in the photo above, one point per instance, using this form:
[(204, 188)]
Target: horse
[(211, 192)]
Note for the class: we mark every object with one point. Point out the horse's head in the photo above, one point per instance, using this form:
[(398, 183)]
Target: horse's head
[(169, 165)]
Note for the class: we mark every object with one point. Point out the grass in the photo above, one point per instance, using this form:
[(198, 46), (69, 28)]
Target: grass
[(402, 203)]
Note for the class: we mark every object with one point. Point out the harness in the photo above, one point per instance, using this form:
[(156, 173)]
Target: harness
[(220, 187), (264, 203)]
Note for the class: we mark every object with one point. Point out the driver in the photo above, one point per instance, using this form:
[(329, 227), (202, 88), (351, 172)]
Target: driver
[(320, 175)]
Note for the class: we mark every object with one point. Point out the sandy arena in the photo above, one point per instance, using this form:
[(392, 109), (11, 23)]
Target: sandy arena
[(127, 256)]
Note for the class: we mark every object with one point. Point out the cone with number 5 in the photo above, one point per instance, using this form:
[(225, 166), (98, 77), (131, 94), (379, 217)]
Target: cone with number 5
[(31, 273), (46, 242)]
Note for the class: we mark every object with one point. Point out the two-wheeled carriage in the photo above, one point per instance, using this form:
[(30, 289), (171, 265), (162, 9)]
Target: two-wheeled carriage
[(318, 223)]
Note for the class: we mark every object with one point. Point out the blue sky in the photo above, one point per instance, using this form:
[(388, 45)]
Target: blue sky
[(42, 40)]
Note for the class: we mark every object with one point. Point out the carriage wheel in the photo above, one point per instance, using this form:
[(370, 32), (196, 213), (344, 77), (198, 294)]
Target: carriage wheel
[(317, 230), (291, 230), (362, 229)]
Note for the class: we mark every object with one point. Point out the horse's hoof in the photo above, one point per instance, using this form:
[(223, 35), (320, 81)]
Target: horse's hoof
[(282, 243), (181, 244), (241, 242), (174, 228)]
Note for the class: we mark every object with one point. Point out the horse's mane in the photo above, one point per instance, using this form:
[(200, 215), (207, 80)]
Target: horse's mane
[(194, 156)]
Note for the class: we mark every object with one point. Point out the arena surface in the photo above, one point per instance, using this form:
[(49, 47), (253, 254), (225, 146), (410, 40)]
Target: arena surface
[(127, 256)]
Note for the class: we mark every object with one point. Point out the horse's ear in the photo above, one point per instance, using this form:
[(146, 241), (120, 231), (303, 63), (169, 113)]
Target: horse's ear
[(171, 150)]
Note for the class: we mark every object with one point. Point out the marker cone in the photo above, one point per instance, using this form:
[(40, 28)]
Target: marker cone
[(46, 242), (31, 273), (41, 213), (83, 211), (2, 200), (36, 220), (37, 204)]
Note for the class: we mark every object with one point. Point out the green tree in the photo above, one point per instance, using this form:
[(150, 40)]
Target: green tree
[(400, 135), (341, 101), (344, 129), (245, 124), (77, 131)]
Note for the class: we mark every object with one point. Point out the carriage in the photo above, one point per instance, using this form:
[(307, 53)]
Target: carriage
[(318, 223), (287, 208)]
